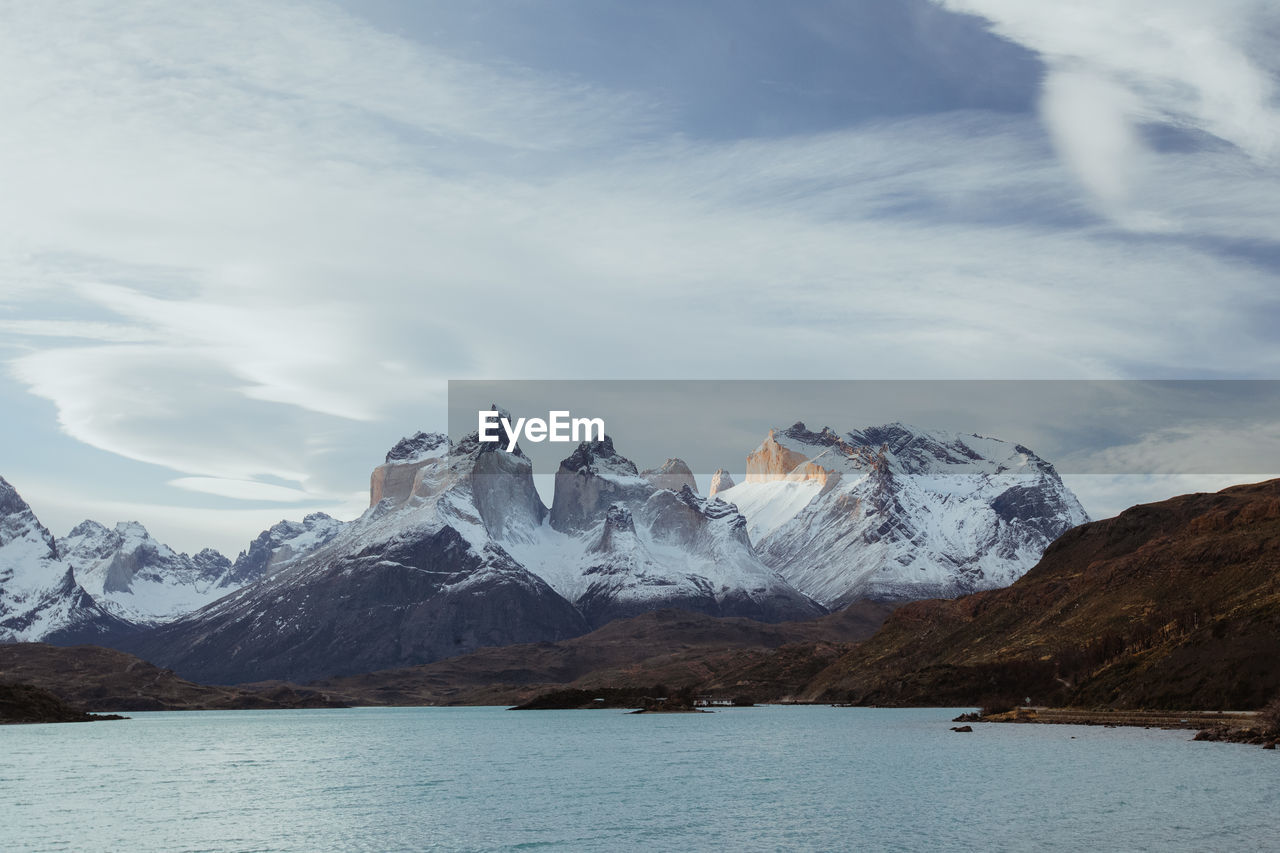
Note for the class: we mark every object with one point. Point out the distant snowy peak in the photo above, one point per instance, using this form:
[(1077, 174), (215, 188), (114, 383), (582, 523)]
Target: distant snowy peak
[(279, 546), (601, 459), (682, 517), (674, 474), (40, 599), (138, 579), (912, 450), (20, 530), (617, 532), (899, 512)]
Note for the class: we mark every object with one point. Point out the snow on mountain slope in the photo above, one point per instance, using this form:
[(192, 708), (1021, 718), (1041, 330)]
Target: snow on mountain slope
[(278, 546), (899, 512), (415, 579), (138, 579), (39, 597), (617, 544)]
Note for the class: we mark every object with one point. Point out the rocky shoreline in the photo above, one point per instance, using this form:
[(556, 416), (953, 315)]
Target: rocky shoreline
[(1246, 727)]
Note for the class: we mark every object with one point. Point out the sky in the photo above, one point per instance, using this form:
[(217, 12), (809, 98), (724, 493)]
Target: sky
[(244, 246)]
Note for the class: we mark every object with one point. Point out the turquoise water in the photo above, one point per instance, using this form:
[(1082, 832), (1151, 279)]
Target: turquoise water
[(770, 778)]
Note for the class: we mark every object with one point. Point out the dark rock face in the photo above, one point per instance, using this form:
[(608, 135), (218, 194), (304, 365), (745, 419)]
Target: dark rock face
[(504, 494), (280, 544), (419, 599), (416, 446), (39, 595), (211, 563), (589, 480), (18, 521)]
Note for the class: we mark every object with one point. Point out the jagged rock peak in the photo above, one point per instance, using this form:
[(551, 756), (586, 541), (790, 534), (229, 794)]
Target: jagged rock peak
[(720, 481), (713, 508), (471, 447), (211, 563), (591, 456), (282, 542), (674, 474), (86, 528), (618, 521), (417, 447), (10, 501), (591, 478), (17, 521), (799, 432)]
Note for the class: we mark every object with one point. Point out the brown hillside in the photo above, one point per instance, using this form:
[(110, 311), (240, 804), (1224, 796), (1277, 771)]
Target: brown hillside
[(674, 647), (1168, 605), (108, 680)]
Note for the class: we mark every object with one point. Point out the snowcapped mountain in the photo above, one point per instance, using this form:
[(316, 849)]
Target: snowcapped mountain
[(458, 551), (98, 583), (899, 512), (420, 576), (618, 543), (146, 582), (39, 596), (277, 547), (142, 581)]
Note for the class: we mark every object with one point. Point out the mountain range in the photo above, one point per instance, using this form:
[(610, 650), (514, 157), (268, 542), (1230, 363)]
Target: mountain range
[(1173, 605), (458, 552)]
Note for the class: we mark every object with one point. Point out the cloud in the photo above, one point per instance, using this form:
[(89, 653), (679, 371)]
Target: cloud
[(1206, 67), (249, 244), (242, 489), (1105, 495)]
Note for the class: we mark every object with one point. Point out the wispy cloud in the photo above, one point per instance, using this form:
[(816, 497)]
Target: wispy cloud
[(1206, 67), (237, 241)]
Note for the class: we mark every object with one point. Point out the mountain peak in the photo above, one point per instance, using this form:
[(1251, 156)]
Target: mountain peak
[(417, 447), (674, 474), (591, 456), (720, 481)]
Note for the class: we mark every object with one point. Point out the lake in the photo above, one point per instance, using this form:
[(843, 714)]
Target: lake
[(767, 778)]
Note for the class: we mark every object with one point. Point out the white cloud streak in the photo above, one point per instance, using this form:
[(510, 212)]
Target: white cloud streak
[(1113, 66), (276, 225)]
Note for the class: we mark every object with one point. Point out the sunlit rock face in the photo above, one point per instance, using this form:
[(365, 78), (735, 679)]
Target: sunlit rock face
[(720, 481), (399, 475)]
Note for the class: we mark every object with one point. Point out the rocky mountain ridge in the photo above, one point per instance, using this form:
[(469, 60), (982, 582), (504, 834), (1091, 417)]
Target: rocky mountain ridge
[(457, 550), (899, 512)]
